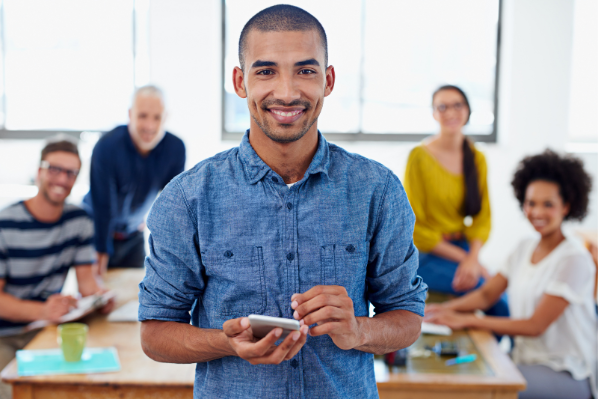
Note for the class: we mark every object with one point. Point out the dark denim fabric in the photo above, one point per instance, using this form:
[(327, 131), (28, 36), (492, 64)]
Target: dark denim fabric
[(229, 238)]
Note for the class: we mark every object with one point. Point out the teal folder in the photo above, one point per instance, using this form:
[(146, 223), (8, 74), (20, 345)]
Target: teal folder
[(51, 361)]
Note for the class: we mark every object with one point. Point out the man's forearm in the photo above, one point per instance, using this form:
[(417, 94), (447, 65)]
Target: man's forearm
[(388, 332), (172, 342), (18, 310)]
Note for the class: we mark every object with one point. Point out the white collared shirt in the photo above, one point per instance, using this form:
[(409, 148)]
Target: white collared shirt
[(569, 343)]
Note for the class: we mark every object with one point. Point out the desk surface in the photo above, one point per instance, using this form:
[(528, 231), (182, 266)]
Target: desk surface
[(492, 371), (137, 368)]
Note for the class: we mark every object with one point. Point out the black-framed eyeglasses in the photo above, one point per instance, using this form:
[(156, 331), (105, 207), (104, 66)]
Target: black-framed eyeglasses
[(54, 170), (445, 107)]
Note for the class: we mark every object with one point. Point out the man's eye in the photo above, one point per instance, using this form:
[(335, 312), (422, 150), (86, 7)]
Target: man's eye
[(265, 72), (306, 71)]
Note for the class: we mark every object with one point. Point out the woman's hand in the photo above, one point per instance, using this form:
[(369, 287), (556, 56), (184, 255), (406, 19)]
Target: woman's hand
[(467, 275), (450, 318), (434, 308)]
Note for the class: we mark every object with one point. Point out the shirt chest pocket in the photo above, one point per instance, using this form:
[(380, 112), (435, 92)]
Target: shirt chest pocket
[(345, 264), (235, 281)]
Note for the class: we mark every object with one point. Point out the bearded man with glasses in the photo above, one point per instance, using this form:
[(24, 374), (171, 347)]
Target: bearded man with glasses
[(40, 240)]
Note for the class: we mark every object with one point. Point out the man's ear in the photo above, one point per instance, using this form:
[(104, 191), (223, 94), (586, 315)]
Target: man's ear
[(330, 79), (130, 113), (238, 82)]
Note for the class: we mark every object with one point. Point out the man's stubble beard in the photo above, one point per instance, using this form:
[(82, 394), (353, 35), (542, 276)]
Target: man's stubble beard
[(271, 134), (45, 194)]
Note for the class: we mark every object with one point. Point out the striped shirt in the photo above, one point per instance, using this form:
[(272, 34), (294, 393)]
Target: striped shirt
[(36, 256)]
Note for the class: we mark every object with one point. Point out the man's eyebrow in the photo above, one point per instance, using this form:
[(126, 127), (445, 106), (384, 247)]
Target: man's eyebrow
[(311, 61), (259, 64)]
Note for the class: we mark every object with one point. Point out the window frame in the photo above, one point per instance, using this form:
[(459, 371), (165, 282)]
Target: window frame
[(361, 136), (43, 134)]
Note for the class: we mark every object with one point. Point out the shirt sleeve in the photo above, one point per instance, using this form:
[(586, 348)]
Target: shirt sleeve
[(425, 236), (482, 222), (392, 278), (85, 254), (174, 275), (574, 279), (103, 200)]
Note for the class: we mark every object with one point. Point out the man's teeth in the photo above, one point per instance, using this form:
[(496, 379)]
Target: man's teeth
[(58, 190), (539, 223), (292, 113)]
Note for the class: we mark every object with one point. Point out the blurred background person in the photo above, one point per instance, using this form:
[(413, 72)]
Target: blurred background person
[(40, 240), (550, 285), (129, 166), (445, 180)]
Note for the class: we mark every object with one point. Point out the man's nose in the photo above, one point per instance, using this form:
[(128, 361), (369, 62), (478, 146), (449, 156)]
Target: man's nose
[(286, 88), (62, 178)]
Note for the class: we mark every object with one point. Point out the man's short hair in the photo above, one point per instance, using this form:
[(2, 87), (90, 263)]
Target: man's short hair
[(282, 18), (60, 143), (148, 91)]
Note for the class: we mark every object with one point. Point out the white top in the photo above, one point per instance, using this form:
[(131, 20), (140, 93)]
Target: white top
[(569, 343)]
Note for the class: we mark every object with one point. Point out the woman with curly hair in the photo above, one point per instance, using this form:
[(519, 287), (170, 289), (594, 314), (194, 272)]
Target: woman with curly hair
[(550, 285), (445, 181)]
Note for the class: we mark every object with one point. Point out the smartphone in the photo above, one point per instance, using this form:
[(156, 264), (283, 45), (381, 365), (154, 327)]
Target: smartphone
[(262, 325)]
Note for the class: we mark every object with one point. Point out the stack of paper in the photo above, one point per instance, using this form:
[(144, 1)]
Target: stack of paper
[(84, 307), (436, 329), (127, 312)]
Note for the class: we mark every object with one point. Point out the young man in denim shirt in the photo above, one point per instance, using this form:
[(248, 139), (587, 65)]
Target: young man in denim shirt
[(285, 225)]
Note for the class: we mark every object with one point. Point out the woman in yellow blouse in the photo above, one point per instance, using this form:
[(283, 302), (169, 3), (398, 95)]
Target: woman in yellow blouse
[(446, 184)]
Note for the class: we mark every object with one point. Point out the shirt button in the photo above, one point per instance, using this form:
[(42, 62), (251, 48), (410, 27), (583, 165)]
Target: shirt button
[(290, 256), (228, 254), (294, 363), (289, 205), (275, 179), (350, 248)]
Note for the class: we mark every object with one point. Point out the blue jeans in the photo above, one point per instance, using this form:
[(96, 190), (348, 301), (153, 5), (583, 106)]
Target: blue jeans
[(439, 272)]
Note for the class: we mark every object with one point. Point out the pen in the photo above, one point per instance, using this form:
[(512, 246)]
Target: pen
[(461, 359)]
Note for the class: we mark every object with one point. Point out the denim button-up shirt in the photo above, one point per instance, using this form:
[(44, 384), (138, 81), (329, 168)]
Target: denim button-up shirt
[(229, 239)]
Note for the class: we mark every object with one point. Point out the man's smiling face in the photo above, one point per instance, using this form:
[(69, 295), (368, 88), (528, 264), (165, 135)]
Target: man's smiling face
[(285, 82)]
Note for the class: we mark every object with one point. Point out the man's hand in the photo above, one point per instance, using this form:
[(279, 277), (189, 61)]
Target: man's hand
[(109, 306), (263, 351), (56, 306), (331, 308), (467, 275)]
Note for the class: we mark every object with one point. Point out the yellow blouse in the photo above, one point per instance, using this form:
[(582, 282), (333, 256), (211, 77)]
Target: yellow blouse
[(436, 196)]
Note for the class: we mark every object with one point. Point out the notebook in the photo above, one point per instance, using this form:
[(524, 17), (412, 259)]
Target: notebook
[(436, 329), (51, 362)]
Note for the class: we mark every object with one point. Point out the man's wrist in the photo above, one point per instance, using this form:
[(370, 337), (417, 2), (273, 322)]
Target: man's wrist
[(228, 347), (362, 328)]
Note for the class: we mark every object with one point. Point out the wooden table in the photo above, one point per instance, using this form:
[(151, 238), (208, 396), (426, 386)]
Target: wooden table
[(492, 376), (140, 377)]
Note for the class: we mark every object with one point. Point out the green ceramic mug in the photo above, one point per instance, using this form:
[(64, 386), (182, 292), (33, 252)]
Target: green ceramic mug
[(71, 338)]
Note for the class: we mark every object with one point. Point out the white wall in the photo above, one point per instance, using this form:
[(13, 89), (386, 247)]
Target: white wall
[(534, 91)]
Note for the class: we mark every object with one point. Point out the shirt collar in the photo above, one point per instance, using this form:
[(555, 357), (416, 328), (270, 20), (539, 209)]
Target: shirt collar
[(256, 169)]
